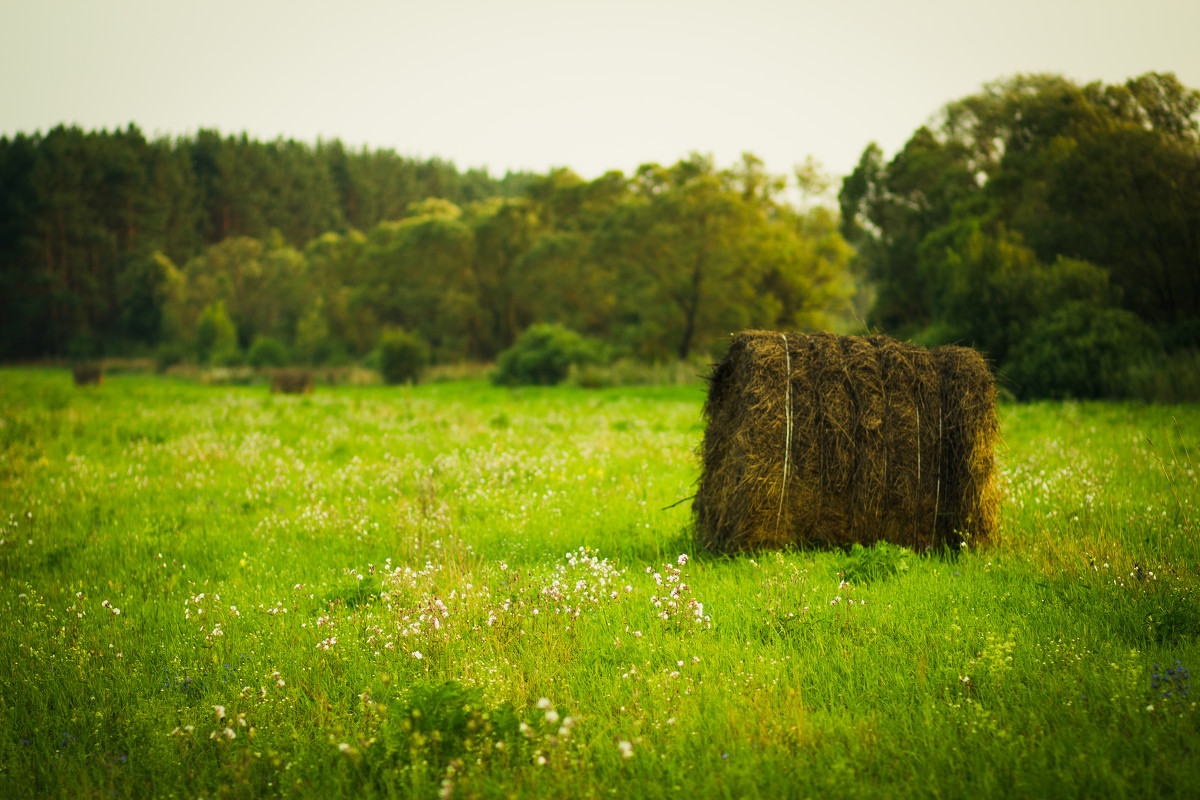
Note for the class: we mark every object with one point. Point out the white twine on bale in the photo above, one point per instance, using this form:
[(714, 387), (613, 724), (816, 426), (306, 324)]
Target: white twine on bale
[(787, 445), (937, 499)]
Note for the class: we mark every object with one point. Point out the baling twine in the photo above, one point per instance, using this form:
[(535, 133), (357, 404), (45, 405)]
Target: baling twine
[(787, 445)]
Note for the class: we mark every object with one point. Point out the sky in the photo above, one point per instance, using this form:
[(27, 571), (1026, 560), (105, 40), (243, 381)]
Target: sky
[(530, 85)]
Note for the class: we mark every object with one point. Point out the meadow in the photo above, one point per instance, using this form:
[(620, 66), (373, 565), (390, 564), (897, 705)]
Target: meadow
[(457, 590)]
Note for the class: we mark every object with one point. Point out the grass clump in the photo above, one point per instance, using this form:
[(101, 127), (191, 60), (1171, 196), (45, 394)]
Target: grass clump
[(878, 562)]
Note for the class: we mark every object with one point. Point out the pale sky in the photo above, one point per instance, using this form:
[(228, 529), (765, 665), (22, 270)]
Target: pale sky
[(589, 85)]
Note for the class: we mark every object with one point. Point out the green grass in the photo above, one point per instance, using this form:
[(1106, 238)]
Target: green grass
[(286, 559)]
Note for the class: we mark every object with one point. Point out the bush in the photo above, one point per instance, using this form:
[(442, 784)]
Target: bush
[(1081, 350), (402, 357), (543, 355), (632, 372), (216, 336), (1166, 378), (268, 351), (169, 354), (314, 344)]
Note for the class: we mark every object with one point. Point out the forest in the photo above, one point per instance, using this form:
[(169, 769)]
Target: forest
[(1053, 225)]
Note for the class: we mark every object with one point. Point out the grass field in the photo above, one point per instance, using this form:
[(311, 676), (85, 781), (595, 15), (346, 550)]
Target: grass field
[(458, 590)]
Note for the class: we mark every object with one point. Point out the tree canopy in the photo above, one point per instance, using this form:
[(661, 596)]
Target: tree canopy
[(1031, 195), (119, 243)]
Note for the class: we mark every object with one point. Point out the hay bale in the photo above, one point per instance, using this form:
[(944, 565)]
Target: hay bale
[(831, 440), (291, 381), (88, 374)]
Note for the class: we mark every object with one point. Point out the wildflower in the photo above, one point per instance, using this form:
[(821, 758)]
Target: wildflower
[(220, 711), (683, 559), (626, 748), (543, 703), (417, 654)]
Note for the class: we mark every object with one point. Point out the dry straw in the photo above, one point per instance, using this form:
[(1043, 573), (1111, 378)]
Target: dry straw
[(819, 439), (291, 381), (88, 374)]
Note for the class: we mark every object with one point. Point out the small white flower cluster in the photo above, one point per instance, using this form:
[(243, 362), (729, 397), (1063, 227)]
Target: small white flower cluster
[(677, 601), (555, 737), (582, 581), (848, 588), (229, 733)]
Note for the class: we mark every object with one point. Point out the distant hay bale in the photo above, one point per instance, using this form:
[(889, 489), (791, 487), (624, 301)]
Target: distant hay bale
[(88, 374), (831, 440), (291, 381)]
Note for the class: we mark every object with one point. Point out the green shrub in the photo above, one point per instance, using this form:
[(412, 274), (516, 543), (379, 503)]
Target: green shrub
[(268, 351), (169, 354), (633, 372), (314, 343), (216, 336), (402, 357), (543, 355), (1166, 378), (1081, 350)]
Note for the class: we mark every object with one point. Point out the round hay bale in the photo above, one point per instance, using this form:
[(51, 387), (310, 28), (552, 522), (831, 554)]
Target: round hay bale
[(87, 374), (291, 381), (817, 439)]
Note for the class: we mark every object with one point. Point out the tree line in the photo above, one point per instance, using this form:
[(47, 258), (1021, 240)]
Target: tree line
[(657, 265), (1055, 226), (116, 244), (85, 217)]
